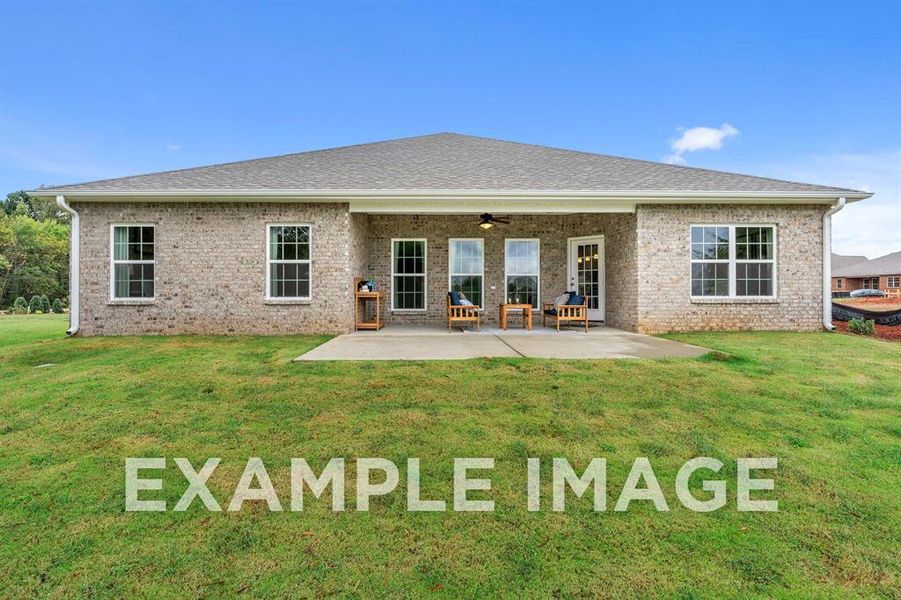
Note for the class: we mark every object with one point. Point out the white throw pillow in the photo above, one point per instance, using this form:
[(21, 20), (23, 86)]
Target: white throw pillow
[(561, 299), (465, 302)]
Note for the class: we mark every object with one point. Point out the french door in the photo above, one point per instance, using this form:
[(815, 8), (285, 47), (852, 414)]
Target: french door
[(586, 272)]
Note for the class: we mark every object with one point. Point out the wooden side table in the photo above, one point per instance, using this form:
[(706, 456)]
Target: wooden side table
[(360, 300), (526, 314)]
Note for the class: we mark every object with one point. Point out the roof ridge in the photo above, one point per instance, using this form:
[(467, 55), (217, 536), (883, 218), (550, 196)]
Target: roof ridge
[(652, 162)]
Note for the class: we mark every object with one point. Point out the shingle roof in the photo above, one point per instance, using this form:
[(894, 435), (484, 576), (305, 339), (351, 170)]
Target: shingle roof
[(890, 264), (447, 161), (840, 262)]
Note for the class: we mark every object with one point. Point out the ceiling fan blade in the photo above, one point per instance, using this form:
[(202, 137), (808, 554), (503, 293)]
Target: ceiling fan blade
[(502, 220)]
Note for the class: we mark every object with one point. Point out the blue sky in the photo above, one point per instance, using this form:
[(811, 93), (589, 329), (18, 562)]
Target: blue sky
[(791, 90)]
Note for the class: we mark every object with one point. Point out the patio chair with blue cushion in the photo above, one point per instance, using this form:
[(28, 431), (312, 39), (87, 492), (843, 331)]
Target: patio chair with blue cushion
[(461, 310), (567, 308)]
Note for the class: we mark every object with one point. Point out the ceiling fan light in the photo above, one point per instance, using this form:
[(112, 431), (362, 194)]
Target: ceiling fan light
[(486, 224)]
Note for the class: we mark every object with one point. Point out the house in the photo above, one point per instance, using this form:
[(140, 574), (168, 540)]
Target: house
[(883, 273), (273, 245)]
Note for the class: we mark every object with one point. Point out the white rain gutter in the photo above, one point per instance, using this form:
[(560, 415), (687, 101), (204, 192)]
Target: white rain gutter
[(827, 263), (74, 262), (339, 195)]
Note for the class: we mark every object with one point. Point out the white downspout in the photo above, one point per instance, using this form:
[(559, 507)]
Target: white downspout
[(827, 263), (74, 262)]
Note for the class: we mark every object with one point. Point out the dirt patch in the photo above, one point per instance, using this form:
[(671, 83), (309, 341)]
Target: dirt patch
[(884, 332), (872, 304)]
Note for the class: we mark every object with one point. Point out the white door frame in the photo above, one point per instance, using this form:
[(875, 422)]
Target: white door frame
[(598, 314)]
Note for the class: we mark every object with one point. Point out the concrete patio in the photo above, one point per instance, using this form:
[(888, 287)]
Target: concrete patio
[(435, 343)]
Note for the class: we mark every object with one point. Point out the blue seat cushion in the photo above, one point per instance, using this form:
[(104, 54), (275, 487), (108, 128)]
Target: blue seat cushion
[(576, 300), (454, 298), (551, 311)]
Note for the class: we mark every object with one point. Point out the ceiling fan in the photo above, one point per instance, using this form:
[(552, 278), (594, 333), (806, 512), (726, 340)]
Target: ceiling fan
[(487, 221)]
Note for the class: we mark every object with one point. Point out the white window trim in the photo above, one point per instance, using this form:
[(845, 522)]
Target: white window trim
[(450, 262), (425, 275), (732, 261), (270, 261), (113, 262), (506, 275), (896, 279)]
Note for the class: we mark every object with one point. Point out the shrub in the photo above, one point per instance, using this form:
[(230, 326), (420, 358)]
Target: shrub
[(862, 327), (45, 305), (20, 306), (57, 306), (35, 304)]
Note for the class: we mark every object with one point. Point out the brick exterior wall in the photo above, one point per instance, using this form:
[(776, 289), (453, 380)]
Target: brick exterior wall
[(849, 284), (211, 269), (664, 282), (211, 266), (552, 230)]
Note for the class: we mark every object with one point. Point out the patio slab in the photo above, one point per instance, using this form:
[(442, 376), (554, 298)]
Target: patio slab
[(435, 343), (600, 342)]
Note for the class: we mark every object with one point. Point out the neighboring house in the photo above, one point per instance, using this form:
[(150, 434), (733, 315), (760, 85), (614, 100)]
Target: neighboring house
[(273, 245), (883, 273)]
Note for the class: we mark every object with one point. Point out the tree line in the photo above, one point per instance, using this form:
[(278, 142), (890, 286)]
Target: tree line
[(34, 251)]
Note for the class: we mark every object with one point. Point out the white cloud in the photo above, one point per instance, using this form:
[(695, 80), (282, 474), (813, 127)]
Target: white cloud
[(173, 147), (871, 227), (698, 138)]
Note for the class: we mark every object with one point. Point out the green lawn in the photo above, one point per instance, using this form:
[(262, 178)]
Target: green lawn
[(827, 405)]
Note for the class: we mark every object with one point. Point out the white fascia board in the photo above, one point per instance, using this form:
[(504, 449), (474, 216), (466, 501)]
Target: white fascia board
[(445, 195)]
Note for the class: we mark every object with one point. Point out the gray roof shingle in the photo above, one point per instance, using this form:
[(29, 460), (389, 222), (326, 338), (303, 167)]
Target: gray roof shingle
[(890, 264), (446, 161), (840, 261)]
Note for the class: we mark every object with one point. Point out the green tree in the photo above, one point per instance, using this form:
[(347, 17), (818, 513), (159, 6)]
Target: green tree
[(39, 209), (34, 257), (45, 304), (20, 306), (35, 304), (57, 306)]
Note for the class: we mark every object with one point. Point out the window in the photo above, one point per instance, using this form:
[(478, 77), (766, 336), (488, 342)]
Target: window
[(710, 261), (894, 281), (132, 270), (733, 260), (754, 261), (466, 266), (408, 274), (839, 283), (521, 267), (288, 262), (871, 283)]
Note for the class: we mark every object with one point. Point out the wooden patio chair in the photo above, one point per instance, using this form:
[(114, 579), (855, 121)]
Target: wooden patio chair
[(459, 313), (566, 313)]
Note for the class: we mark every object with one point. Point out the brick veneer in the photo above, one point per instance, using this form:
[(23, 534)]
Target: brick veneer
[(211, 269), (211, 273), (664, 268), (552, 230)]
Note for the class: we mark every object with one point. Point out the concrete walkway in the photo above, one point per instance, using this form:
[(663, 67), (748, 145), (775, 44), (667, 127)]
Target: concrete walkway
[(433, 343)]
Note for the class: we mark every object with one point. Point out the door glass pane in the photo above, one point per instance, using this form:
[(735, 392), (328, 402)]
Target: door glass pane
[(588, 263)]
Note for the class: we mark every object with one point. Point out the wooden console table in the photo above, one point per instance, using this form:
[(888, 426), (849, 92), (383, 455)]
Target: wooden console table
[(526, 314), (360, 300)]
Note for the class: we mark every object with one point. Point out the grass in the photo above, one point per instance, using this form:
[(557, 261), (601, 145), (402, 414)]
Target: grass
[(826, 405)]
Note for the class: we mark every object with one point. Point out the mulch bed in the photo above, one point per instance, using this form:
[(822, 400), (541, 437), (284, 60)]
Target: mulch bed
[(884, 332)]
